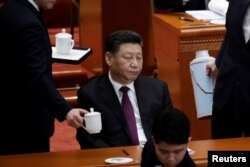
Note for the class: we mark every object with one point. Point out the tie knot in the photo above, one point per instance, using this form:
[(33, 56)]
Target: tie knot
[(124, 89)]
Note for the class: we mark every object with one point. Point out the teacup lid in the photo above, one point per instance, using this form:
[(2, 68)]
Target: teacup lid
[(63, 34), (91, 113)]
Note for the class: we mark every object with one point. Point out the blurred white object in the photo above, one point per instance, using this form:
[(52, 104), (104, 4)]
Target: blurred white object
[(203, 84), (218, 6), (205, 15), (217, 10)]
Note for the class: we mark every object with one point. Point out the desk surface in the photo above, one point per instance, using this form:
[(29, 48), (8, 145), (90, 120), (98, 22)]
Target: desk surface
[(202, 147), (174, 20), (96, 157), (77, 158)]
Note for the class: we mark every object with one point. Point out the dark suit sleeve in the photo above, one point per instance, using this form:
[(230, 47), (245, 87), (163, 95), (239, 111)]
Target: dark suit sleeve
[(35, 45), (85, 139), (157, 99), (219, 57), (167, 99), (149, 158)]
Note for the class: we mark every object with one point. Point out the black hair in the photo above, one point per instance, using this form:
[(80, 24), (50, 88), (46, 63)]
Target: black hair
[(117, 38), (171, 126)]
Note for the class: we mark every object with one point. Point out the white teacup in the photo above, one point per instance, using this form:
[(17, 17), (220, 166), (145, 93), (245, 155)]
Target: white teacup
[(93, 122), (64, 42)]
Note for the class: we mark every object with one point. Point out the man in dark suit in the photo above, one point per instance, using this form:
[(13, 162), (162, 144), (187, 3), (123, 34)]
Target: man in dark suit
[(148, 96), (231, 107), (179, 5), (30, 99), (171, 135)]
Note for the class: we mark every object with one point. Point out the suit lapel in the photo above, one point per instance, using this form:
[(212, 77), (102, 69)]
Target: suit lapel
[(111, 100)]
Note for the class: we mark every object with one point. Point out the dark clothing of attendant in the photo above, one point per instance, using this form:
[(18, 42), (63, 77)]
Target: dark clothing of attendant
[(231, 107), (29, 96)]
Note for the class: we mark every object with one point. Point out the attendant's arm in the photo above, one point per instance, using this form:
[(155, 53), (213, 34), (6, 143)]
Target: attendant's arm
[(34, 44), (220, 55), (212, 68)]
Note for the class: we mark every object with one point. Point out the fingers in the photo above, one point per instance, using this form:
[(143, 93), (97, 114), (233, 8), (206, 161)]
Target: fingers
[(74, 122), (209, 69), (74, 117), (82, 111)]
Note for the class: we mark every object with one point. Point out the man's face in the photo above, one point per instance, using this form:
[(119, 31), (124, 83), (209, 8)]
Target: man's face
[(45, 4), (126, 64), (170, 155)]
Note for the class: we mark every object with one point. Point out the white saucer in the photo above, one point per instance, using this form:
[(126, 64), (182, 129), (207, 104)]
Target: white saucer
[(118, 160)]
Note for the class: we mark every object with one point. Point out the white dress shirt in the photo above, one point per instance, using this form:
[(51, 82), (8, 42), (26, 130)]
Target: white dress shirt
[(246, 24), (133, 99), (34, 4)]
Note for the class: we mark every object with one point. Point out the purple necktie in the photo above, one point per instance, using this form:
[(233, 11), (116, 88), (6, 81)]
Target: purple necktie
[(129, 115)]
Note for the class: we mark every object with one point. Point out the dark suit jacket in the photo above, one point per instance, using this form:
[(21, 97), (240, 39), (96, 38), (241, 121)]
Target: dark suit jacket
[(149, 158), (29, 95), (177, 5), (233, 59), (152, 96), (232, 87)]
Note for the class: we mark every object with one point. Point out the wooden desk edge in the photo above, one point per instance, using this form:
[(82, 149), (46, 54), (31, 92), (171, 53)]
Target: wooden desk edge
[(136, 164), (201, 162)]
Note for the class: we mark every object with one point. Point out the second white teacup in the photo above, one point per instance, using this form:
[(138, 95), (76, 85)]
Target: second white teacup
[(93, 122), (64, 42)]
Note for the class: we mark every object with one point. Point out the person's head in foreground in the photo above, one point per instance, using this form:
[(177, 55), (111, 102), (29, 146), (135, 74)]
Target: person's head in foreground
[(124, 56), (171, 134)]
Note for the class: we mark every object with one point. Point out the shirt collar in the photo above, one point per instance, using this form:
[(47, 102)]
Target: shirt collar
[(34, 4), (117, 85)]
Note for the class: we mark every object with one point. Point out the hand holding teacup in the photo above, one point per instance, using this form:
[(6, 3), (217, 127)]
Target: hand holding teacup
[(93, 122)]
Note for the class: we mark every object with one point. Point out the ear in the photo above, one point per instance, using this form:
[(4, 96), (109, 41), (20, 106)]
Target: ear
[(108, 58)]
